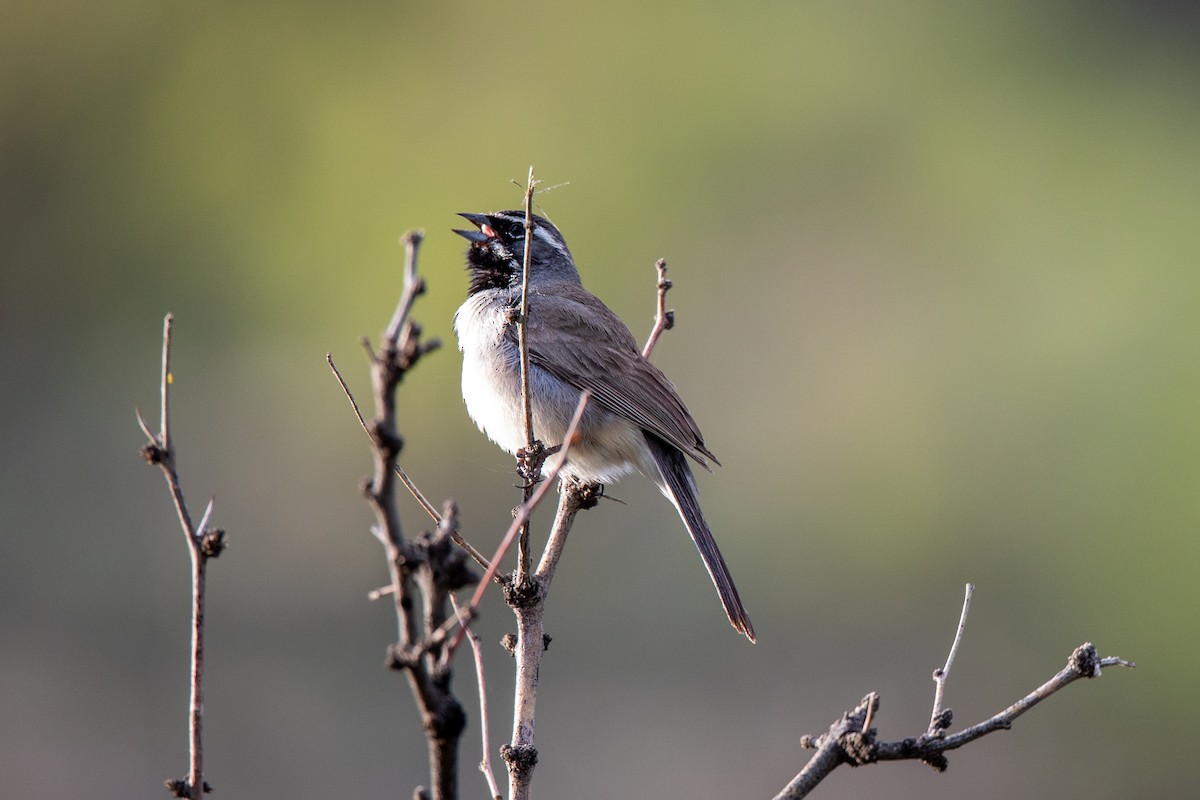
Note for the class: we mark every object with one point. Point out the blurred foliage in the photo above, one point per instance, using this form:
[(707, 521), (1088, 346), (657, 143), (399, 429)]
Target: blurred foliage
[(936, 284)]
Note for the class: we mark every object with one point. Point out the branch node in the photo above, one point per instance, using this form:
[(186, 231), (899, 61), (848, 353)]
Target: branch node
[(1085, 661), (523, 593), (521, 759), (586, 495), (180, 787), (400, 658), (858, 748), (941, 723), (388, 440), (212, 542), (153, 454), (938, 761)]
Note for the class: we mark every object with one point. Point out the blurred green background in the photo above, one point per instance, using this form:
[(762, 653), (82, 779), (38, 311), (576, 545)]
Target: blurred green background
[(937, 289)]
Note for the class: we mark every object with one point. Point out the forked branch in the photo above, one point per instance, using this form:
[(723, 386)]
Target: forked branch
[(851, 739), (424, 569), (203, 543), (664, 318)]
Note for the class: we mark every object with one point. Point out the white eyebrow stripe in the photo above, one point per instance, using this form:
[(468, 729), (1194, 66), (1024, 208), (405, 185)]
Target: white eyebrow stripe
[(550, 239)]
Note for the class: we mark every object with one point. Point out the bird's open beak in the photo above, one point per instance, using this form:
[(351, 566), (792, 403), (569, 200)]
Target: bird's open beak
[(480, 221)]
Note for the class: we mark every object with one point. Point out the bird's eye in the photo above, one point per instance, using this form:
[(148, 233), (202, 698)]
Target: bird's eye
[(516, 230)]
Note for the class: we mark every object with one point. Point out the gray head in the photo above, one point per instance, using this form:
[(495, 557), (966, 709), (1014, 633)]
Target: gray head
[(497, 251)]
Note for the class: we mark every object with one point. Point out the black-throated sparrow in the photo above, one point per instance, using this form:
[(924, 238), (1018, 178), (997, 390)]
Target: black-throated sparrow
[(635, 421)]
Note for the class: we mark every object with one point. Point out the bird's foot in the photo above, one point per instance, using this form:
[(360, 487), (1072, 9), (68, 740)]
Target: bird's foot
[(530, 461)]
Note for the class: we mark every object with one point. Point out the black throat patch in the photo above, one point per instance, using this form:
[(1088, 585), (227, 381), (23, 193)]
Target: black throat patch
[(489, 270)]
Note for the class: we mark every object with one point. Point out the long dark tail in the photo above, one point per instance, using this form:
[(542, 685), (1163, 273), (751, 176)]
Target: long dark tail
[(680, 487)]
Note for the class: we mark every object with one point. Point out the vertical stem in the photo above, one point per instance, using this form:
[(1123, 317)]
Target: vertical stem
[(164, 423), (523, 321), (940, 675), (521, 753), (196, 770), (523, 557), (528, 654)]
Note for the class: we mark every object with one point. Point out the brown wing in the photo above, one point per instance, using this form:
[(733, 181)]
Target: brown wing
[(575, 337)]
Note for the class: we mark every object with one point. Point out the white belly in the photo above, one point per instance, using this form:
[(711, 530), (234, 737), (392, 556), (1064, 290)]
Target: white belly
[(607, 446)]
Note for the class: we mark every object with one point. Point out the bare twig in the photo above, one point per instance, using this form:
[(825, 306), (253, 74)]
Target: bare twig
[(405, 479), (664, 319), (937, 720), (485, 764), (349, 396), (415, 491), (527, 596), (851, 740), (203, 544), (523, 320), (529, 461), (525, 511), (528, 602), (521, 516), (427, 566)]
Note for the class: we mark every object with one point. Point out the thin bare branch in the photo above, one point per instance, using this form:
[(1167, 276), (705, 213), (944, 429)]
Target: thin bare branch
[(568, 506), (525, 511), (141, 421), (521, 516), (936, 720), (158, 451), (523, 319), (424, 566), (664, 319), (851, 740), (353, 403), (413, 287), (404, 478), (478, 557), (164, 394), (529, 461), (528, 601), (204, 519), (485, 764), (1083, 663)]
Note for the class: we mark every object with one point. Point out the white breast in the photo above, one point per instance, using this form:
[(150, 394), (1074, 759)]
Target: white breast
[(491, 378), (609, 446)]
